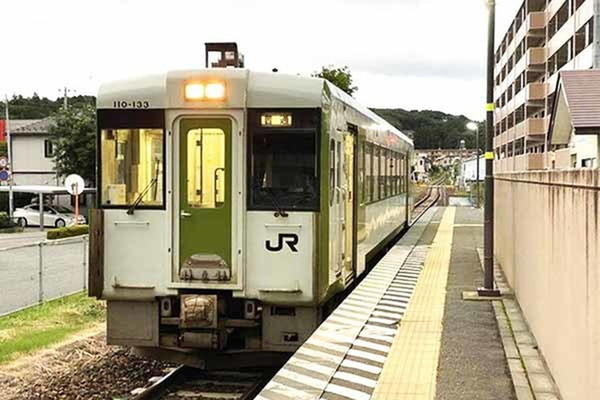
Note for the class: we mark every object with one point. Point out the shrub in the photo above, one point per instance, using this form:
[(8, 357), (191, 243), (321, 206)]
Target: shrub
[(5, 221), (67, 231)]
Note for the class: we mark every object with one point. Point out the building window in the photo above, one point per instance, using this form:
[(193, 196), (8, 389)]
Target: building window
[(48, 148), (584, 36)]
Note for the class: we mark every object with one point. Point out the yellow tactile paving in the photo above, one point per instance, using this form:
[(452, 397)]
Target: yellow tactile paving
[(410, 371)]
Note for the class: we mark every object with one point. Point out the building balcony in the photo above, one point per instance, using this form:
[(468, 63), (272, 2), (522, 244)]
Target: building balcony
[(536, 21), (536, 57), (536, 91), (531, 127)]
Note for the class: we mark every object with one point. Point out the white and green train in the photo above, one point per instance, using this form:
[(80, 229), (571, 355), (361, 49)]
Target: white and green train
[(233, 206)]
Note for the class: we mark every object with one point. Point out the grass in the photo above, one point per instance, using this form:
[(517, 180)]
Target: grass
[(41, 326)]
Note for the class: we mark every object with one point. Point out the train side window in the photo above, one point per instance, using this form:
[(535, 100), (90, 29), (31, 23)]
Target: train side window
[(398, 174), (394, 173), (338, 168), (368, 172), (361, 172), (206, 167), (331, 171), (382, 173), (375, 173), (403, 172)]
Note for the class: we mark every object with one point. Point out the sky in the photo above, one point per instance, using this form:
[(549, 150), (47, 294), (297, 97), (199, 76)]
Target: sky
[(411, 54)]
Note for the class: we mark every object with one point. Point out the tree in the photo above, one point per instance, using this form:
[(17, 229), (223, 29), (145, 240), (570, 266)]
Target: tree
[(340, 77), (74, 141)]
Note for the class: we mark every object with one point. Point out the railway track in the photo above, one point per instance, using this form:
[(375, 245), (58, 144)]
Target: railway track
[(433, 195), (186, 383)]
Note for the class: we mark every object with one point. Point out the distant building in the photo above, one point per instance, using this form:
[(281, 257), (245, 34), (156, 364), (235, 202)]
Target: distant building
[(32, 152), (445, 157), (422, 166), (543, 39), (468, 170)]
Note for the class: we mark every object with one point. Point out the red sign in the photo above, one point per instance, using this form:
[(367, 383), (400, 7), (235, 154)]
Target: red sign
[(2, 130)]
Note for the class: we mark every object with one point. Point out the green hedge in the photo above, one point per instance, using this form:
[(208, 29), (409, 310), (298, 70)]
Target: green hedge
[(67, 231)]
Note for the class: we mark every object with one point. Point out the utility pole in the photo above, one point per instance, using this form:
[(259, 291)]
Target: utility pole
[(488, 223), (10, 161), (66, 97)]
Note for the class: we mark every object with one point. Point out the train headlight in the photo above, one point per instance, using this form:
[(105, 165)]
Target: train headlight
[(215, 91), (194, 91)]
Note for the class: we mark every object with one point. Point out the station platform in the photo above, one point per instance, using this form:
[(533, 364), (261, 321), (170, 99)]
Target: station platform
[(405, 332)]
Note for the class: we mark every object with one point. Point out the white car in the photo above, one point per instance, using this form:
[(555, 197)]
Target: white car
[(56, 216)]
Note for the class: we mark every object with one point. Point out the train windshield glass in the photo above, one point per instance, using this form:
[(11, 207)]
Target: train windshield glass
[(283, 170), (132, 167)]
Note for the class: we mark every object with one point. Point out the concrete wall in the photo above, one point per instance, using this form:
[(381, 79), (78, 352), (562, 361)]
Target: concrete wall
[(547, 240)]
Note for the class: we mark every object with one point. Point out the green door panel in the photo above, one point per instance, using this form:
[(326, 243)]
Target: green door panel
[(205, 197)]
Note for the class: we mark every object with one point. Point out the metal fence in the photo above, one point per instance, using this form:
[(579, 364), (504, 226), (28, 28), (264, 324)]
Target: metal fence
[(33, 273)]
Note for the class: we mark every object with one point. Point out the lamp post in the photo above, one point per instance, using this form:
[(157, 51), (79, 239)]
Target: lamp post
[(474, 126)]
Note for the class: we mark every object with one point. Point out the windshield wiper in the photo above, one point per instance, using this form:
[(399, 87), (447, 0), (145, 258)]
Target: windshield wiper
[(140, 197), (149, 186), (279, 211)]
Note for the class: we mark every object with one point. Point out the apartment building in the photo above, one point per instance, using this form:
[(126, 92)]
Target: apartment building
[(544, 38)]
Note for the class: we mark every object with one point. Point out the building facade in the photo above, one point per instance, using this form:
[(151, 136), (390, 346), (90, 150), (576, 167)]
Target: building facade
[(544, 38), (32, 152)]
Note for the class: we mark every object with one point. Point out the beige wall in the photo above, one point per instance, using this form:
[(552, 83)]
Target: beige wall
[(547, 239), (28, 154)]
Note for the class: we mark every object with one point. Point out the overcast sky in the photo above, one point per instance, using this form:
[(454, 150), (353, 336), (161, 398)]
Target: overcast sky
[(413, 54)]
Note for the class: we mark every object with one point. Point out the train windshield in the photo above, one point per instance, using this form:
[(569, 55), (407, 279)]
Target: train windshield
[(132, 167), (284, 170)]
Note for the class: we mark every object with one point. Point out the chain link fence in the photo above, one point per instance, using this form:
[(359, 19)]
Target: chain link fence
[(33, 273)]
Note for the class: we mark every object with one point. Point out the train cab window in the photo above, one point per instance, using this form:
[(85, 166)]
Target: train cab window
[(283, 170), (132, 167), (206, 168)]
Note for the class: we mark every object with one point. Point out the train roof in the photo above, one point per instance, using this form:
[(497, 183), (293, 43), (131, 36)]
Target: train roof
[(246, 89)]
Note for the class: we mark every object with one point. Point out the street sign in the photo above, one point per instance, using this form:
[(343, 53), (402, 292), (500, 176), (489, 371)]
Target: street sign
[(74, 184), (4, 175), (3, 162)]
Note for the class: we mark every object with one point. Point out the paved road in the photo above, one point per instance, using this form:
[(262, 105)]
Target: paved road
[(15, 239)]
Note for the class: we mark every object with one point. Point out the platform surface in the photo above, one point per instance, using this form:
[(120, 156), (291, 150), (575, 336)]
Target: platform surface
[(405, 332)]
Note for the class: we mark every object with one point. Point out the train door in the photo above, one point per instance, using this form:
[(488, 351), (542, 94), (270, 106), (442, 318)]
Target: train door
[(348, 206), (205, 230)]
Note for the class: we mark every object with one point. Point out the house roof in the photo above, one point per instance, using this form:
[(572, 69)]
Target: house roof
[(576, 105), (30, 126)]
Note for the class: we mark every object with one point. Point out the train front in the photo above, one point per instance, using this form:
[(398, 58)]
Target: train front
[(208, 191)]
